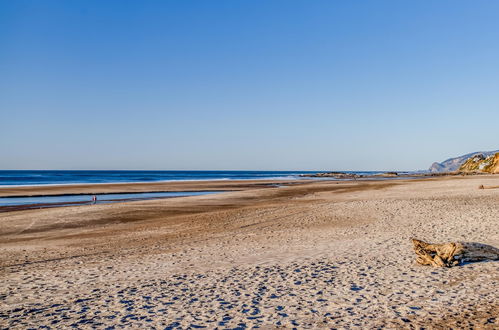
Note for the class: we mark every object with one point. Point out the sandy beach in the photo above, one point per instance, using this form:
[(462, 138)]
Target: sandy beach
[(305, 254)]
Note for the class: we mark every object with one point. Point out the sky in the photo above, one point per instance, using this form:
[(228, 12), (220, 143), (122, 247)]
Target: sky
[(246, 85)]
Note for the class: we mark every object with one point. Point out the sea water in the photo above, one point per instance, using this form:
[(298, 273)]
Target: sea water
[(55, 177)]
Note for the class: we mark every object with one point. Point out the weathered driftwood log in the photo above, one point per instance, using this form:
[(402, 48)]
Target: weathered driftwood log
[(452, 254)]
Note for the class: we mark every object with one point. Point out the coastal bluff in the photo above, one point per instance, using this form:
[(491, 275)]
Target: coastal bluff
[(481, 164), (454, 164)]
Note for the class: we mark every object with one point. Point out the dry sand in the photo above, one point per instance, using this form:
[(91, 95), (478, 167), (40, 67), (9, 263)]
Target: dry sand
[(310, 255)]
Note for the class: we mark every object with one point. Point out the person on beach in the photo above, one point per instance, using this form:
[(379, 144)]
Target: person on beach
[(94, 199)]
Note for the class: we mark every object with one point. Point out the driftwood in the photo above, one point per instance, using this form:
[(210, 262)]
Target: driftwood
[(452, 254)]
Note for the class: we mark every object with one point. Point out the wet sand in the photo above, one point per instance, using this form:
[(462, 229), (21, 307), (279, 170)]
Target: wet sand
[(115, 188), (308, 255)]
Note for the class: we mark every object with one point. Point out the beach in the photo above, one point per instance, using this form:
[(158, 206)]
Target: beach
[(261, 253)]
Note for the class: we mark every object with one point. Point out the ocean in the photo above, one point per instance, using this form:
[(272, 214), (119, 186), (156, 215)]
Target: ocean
[(53, 177)]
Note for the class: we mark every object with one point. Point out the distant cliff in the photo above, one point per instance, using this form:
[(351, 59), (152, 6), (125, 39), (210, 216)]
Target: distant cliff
[(481, 163), (453, 164)]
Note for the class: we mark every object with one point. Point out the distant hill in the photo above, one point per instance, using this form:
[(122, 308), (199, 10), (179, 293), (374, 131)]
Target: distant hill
[(481, 163), (453, 164)]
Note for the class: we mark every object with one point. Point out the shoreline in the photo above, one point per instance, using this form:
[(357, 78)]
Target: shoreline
[(194, 185), (303, 176), (47, 204), (123, 188), (285, 176)]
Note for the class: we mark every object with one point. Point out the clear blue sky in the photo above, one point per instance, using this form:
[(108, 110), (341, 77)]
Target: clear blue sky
[(319, 85)]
